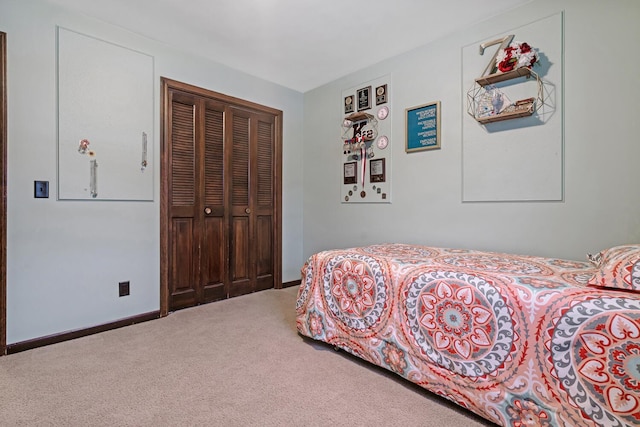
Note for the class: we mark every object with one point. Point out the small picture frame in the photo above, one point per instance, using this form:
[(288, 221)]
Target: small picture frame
[(381, 94), (377, 170), (423, 127), (350, 175), (348, 104), (364, 98)]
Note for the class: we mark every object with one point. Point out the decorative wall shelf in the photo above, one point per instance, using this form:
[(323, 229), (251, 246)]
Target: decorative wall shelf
[(360, 116), (521, 108), (501, 77)]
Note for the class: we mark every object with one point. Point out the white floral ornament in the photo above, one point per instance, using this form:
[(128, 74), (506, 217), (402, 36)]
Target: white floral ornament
[(516, 55)]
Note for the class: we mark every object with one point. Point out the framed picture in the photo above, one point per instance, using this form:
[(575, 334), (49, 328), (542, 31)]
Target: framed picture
[(377, 170), (381, 94), (364, 98), (349, 173), (348, 104), (423, 127)]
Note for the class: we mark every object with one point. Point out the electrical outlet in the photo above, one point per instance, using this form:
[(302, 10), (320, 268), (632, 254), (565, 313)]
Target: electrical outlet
[(124, 288), (41, 189)]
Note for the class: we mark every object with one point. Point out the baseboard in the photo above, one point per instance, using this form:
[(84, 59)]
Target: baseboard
[(70, 335), (66, 336), (292, 283)]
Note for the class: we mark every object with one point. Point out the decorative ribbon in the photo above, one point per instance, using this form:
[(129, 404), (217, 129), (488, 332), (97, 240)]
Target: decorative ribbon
[(363, 157)]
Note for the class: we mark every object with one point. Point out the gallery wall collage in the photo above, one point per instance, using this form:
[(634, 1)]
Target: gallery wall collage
[(512, 122), (366, 142)]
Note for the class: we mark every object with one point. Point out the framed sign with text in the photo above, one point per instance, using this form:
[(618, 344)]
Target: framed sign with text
[(349, 173), (376, 170), (423, 127)]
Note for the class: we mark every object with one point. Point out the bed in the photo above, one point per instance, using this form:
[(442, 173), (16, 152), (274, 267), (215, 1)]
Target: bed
[(519, 340)]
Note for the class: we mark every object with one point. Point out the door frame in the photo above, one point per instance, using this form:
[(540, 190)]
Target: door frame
[(166, 86), (3, 193)]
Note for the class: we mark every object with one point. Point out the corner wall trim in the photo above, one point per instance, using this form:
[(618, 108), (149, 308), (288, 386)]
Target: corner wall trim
[(66, 336), (3, 192)]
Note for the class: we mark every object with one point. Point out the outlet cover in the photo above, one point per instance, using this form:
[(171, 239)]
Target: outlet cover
[(41, 189), (123, 288)]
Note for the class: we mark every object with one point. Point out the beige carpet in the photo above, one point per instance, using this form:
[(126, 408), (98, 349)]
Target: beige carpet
[(238, 362)]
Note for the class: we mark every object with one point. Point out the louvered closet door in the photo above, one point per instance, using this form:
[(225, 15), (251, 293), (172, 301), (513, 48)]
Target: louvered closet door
[(264, 203), (251, 162), (221, 203), (197, 243), (214, 245), (184, 215)]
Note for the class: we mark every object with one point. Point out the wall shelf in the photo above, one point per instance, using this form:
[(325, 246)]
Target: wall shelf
[(359, 117), (501, 77), (522, 108)]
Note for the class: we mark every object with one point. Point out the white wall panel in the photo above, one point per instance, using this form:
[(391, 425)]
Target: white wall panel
[(518, 159), (105, 96)]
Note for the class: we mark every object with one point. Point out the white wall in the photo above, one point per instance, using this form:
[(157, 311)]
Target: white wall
[(65, 258), (601, 205)]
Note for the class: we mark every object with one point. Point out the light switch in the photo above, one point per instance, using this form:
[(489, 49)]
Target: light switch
[(41, 189)]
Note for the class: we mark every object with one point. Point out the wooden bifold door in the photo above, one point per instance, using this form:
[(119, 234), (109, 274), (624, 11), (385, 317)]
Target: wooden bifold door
[(220, 221)]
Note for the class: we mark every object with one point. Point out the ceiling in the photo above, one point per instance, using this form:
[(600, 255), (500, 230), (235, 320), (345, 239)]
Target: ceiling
[(299, 44)]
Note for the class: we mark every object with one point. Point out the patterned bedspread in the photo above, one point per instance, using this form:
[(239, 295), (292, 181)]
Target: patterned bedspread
[(519, 340)]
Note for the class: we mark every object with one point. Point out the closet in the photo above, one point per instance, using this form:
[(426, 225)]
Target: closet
[(220, 196)]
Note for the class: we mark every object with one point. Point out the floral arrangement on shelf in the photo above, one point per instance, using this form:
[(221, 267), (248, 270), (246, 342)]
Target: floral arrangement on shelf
[(516, 55)]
